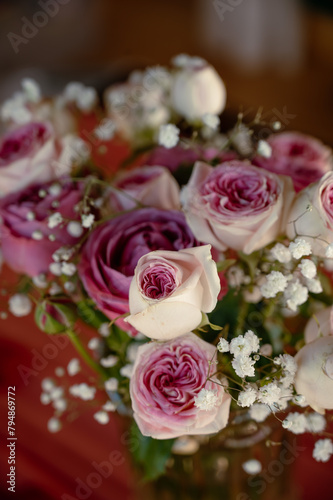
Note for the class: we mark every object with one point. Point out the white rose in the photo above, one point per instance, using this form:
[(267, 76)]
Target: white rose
[(170, 290), (313, 330), (312, 213), (197, 90), (314, 377)]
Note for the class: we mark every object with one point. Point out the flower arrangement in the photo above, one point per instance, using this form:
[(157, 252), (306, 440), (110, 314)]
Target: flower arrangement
[(202, 260)]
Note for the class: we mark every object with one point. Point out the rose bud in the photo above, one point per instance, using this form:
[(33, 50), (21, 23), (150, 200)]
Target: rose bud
[(314, 377), (165, 386), (112, 251), (30, 154), (312, 213), (236, 205), (55, 315), (151, 186), (171, 290), (28, 241), (301, 157), (197, 89)]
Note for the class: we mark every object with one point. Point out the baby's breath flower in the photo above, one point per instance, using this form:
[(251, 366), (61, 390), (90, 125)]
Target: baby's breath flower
[(83, 391), (323, 450), (269, 394), (308, 268), (20, 305), (276, 282), (87, 220), (223, 345), (73, 367), (314, 285), (243, 366), (259, 412), (315, 422), (264, 149), (168, 135), (252, 466), (54, 220), (206, 400), (295, 295), (300, 248), (102, 417), (295, 422), (247, 397)]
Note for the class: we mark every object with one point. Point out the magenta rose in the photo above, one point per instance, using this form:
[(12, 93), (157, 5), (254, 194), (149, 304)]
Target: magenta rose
[(112, 251), (29, 155), (25, 231), (236, 205), (301, 157), (173, 158), (167, 378), (152, 186)]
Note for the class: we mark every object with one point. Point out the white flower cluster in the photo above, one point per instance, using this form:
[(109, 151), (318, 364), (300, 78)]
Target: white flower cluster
[(206, 400), (241, 347), (168, 135), (54, 395), (323, 450), (83, 391), (84, 97), (296, 286), (18, 107)]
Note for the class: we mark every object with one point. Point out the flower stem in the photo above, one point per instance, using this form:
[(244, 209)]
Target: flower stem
[(86, 356)]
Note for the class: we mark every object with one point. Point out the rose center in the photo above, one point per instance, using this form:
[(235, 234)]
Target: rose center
[(158, 281)]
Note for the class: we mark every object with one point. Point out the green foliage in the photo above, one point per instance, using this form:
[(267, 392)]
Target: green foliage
[(151, 454), (89, 314)]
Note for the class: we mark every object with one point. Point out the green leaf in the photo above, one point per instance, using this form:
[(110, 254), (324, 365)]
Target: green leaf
[(151, 454), (90, 315), (223, 265), (118, 340)]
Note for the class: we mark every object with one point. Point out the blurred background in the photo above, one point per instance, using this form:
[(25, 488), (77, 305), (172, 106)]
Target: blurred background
[(277, 54), (272, 53)]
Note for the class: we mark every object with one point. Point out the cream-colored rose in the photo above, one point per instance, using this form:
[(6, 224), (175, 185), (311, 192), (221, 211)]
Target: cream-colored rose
[(320, 325), (170, 291), (312, 215), (197, 90), (314, 376), (30, 154), (236, 205)]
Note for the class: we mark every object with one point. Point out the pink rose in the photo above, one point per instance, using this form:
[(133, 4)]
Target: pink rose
[(28, 155), (167, 377), (24, 230), (313, 330), (314, 377), (151, 186), (312, 213), (112, 251), (236, 205), (299, 156), (170, 290)]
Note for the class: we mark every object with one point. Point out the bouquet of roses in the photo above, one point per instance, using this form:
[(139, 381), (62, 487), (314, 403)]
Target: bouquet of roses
[(201, 257)]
